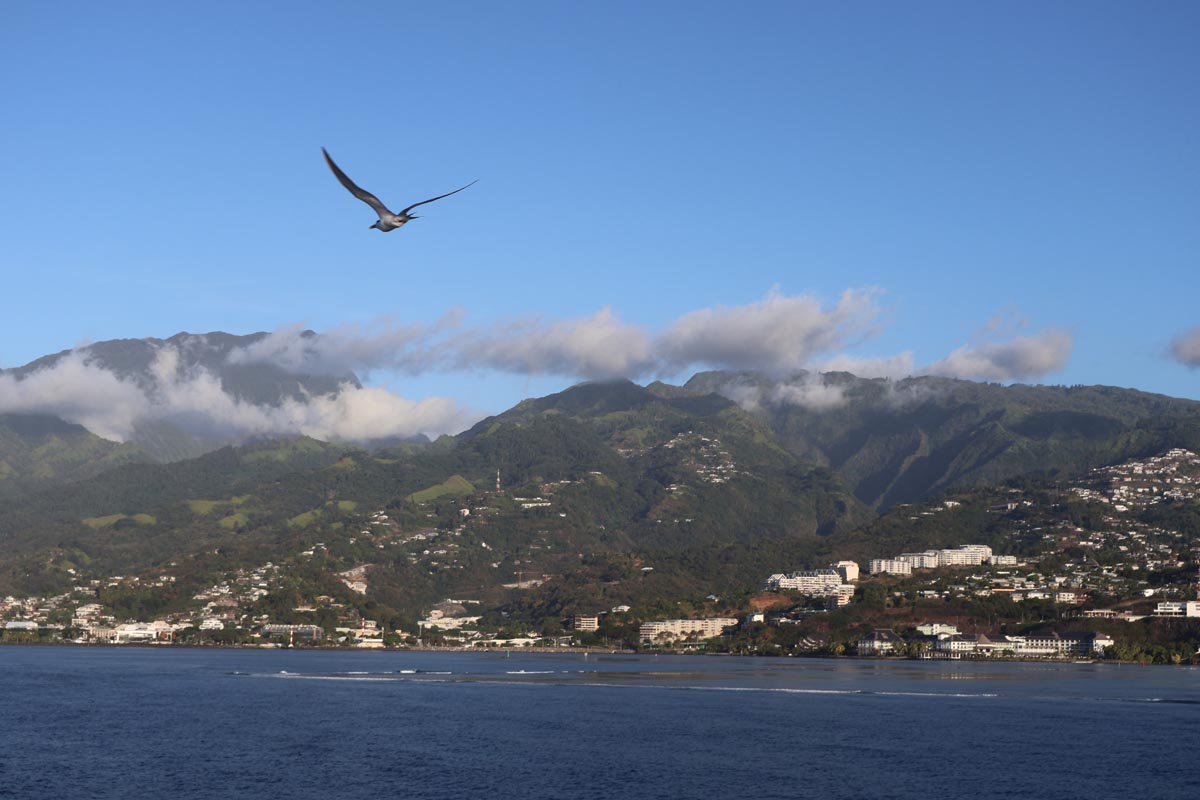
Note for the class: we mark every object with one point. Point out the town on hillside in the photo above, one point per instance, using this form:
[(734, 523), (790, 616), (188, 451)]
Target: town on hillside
[(1091, 570)]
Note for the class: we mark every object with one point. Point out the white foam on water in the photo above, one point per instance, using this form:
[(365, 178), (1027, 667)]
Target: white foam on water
[(597, 679)]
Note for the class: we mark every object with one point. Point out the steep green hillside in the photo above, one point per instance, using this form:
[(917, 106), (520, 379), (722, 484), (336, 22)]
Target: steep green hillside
[(900, 441), (658, 490), (631, 472), (40, 451)]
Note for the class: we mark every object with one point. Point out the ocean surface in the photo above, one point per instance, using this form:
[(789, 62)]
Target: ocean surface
[(179, 723)]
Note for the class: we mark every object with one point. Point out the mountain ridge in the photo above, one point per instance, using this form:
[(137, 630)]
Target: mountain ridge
[(149, 366), (727, 460), (897, 441)]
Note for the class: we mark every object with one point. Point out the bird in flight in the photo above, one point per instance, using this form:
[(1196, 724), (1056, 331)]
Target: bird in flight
[(387, 220)]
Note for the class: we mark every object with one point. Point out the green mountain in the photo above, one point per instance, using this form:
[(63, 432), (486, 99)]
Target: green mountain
[(655, 492), (257, 382), (901, 441), (37, 451), (152, 366), (597, 468)]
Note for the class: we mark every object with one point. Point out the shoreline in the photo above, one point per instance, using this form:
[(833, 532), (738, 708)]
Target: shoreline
[(583, 651)]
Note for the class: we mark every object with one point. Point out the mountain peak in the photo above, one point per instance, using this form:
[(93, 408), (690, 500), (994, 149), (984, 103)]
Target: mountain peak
[(165, 394)]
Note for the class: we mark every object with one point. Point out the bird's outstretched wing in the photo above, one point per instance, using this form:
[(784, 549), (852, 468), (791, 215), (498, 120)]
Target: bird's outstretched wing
[(404, 213), (362, 194)]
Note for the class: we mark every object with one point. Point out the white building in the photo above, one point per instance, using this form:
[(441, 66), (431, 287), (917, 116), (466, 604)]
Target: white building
[(880, 641), (890, 565), (1037, 645), (848, 570), (930, 559), (671, 629), (979, 645), (101, 634), (969, 555), (436, 620), (839, 596), (587, 622), (142, 632), (820, 582), (1189, 608), (294, 633), (815, 581)]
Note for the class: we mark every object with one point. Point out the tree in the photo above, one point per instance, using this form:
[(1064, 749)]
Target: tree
[(874, 596)]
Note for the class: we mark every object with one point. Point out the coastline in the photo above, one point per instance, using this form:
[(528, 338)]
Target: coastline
[(587, 651)]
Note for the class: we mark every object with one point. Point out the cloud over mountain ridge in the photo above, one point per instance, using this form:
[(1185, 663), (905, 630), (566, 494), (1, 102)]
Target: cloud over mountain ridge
[(293, 381)]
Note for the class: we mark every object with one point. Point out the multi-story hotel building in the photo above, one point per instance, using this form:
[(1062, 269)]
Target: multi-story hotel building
[(671, 629)]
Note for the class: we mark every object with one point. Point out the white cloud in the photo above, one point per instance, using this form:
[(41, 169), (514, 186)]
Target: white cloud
[(599, 346), (1185, 348), (1021, 358), (808, 391), (355, 414), (895, 367), (381, 344), (812, 393), (747, 395), (777, 334), (79, 391)]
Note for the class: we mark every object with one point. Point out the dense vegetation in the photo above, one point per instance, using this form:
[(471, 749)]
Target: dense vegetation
[(708, 495)]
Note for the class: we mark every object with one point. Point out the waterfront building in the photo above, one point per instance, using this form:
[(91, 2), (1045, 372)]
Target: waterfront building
[(101, 634), (157, 631), (1035, 645), (438, 619), (307, 633), (28, 626), (880, 642), (669, 630)]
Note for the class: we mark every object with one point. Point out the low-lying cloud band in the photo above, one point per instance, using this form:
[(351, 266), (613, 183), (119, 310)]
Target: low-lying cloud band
[(778, 335)]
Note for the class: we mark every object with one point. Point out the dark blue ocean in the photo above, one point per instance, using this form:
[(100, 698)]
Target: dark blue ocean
[(174, 723)]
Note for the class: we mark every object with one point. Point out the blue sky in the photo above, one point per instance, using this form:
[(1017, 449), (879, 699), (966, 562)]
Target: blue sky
[(1004, 192)]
